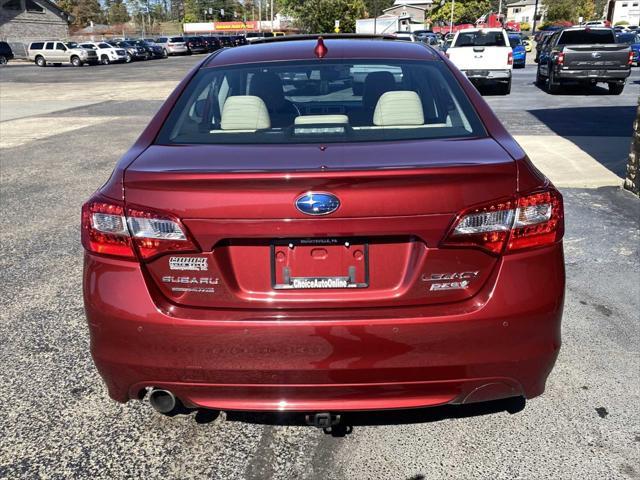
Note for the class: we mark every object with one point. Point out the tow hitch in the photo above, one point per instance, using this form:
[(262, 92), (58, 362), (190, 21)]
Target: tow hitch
[(324, 420)]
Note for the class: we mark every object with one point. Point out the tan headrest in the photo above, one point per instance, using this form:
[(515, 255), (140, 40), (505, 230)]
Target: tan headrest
[(244, 112), (400, 108)]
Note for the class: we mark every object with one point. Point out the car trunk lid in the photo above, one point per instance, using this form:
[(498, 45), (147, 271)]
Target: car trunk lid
[(378, 249)]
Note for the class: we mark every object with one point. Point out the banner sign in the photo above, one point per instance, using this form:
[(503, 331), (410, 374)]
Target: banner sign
[(218, 26)]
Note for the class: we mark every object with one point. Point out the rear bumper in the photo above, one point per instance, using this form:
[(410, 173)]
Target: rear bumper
[(593, 75), (487, 75), (501, 343)]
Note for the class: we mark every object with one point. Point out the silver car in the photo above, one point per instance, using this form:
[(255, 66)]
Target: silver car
[(172, 45)]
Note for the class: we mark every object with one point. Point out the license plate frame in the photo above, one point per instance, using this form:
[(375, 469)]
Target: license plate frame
[(353, 278)]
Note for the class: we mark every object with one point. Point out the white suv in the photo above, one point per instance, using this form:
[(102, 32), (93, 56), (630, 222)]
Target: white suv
[(106, 53)]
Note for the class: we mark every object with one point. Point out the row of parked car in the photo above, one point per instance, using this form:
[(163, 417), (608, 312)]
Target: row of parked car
[(56, 52)]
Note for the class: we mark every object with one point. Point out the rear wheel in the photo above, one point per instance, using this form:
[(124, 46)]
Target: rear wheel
[(505, 88), (539, 77), (40, 61), (165, 54), (553, 86), (76, 62), (129, 58), (615, 88), (105, 60), (3, 60)]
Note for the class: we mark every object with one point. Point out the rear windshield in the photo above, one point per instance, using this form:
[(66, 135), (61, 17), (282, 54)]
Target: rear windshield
[(515, 41), (586, 37), (628, 38), (480, 39), (176, 39), (339, 101)]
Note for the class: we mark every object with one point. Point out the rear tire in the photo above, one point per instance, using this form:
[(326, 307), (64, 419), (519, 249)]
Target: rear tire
[(40, 61), (105, 60), (615, 88), (3, 60), (539, 78), (505, 88), (553, 87), (76, 62), (165, 54), (128, 58)]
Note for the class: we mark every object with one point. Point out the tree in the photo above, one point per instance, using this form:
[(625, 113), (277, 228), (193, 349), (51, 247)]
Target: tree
[(561, 10), (464, 11), (117, 12), (319, 16), (374, 8), (86, 11), (66, 5)]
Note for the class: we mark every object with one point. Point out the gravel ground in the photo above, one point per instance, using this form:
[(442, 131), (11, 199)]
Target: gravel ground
[(57, 421)]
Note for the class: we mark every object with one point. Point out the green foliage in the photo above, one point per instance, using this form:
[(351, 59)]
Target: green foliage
[(572, 10), (117, 12), (525, 27), (375, 8), (318, 16), (464, 11), (622, 22), (86, 11)]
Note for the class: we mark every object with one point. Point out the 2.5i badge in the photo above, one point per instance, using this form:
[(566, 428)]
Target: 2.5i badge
[(188, 263)]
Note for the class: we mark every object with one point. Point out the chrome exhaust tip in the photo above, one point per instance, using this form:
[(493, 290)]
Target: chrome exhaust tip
[(162, 401)]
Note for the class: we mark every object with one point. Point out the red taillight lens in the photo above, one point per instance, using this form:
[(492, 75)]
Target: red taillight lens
[(155, 233), (104, 229), (560, 58), (529, 221), (108, 231), (630, 61), (510, 59)]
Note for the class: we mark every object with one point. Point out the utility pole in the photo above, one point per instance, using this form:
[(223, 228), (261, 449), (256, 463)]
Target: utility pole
[(535, 18), (453, 4), (272, 15), (375, 17)]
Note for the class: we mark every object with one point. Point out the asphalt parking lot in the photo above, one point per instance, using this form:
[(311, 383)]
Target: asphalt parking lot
[(61, 131)]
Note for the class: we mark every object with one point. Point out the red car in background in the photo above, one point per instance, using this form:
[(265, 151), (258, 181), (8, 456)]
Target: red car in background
[(280, 240)]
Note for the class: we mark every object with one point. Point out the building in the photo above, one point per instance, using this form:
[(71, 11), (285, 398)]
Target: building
[(22, 21), (410, 13), (524, 10), (624, 11)]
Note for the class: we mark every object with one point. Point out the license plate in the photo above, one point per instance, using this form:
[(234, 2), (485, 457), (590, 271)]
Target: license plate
[(319, 264)]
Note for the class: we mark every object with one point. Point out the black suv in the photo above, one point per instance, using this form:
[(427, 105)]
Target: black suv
[(6, 53), (213, 43), (196, 44)]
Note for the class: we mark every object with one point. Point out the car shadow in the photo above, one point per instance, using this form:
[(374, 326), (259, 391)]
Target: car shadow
[(604, 132), (350, 420)]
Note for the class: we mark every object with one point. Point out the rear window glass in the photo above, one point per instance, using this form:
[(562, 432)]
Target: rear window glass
[(628, 38), (310, 102), (515, 41), (586, 37), (37, 46), (176, 39), (480, 38)]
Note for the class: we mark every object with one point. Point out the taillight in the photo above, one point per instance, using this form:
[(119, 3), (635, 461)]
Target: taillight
[(560, 58), (510, 59), (630, 61), (529, 221), (108, 230)]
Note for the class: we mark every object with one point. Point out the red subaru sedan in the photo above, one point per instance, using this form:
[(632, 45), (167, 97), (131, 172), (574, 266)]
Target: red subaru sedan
[(324, 226)]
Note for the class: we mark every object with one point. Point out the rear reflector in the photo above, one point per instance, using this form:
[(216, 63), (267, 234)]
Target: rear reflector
[(510, 59), (107, 230), (529, 221)]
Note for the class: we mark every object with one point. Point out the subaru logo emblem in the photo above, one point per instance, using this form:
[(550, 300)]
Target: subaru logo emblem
[(317, 203)]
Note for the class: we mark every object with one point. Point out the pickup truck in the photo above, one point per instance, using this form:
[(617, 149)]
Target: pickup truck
[(484, 55), (586, 55)]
